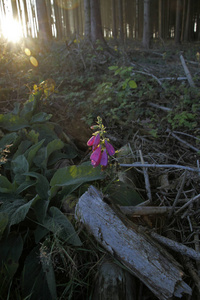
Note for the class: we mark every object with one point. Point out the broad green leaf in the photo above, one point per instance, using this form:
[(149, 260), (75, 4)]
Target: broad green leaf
[(31, 152), (25, 185), (123, 194), (8, 139), (132, 84), (3, 222), (16, 108), (42, 185), (10, 252), (58, 223), (40, 158), (58, 155), (20, 165), (40, 207), (46, 131), (5, 185), (12, 122), (38, 280), (41, 117), (22, 148), (29, 107), (54, 145), (20, 213), (76, 175)]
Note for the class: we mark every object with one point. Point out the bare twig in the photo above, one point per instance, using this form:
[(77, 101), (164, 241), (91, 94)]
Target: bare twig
[(146, 178), (183, 142), (136, 165), (159, 106), (150, 75), (197, 197), (173, 78), (179, 192)]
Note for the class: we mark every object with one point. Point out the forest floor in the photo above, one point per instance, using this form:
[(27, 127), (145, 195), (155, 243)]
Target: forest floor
[(151, 109)]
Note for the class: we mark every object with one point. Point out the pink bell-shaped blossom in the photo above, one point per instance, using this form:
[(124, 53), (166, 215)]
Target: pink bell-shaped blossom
[(110, 149), (96, 157), (96, 141), (90, 142), (104, 158)]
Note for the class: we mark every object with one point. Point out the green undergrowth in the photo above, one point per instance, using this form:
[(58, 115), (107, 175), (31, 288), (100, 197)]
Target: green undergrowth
[(37, 241), (43, 251)]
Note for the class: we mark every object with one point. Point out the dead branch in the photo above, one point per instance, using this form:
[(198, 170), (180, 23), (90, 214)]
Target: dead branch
[(197, 197), (146, 178), (187, 72), (183, 142), (143, 257), (175, 246), (136, 165), (144, 210)]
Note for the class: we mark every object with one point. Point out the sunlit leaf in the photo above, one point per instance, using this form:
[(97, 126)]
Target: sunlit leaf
[(132, 84), (76, 175)]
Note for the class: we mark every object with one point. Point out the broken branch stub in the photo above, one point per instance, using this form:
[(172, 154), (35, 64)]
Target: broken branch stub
[(143, 257)]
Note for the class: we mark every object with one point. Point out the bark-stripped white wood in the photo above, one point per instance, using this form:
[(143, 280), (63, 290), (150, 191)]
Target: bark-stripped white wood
[(138, 252)]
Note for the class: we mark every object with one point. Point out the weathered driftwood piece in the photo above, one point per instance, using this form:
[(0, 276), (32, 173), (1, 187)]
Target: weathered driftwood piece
[(144, 258), (113, 282)]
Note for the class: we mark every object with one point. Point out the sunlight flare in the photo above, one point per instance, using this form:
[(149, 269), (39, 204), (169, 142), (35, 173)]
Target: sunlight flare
[(11, 30)]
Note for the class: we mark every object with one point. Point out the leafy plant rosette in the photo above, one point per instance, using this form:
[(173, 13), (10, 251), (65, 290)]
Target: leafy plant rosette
[(31, 193)]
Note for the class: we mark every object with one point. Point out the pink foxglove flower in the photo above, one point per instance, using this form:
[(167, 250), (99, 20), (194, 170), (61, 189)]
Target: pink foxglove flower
[(104, 159), (96, 141), (96, 157), (91, 141), (109, 148)]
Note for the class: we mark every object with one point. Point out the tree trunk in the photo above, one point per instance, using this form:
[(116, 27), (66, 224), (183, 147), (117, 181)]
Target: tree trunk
[(121, 25), (146, 26), (87, 19), (114, 25), (44, 28), (58, 20), (187, 25), (160, 16), (96, 27), (178, 22), (14, 9)]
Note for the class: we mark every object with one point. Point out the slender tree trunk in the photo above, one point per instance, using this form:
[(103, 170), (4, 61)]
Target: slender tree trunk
[(121, 27), (25, 17), (183, 20), (187, 25), (87, 13), (14, 9), (114, 24), (58, 20), (160, 18), (146, 27), (178, 22), (44, 28), (96, 27), (140, 18)]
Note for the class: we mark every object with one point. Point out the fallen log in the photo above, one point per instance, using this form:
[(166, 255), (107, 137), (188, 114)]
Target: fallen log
[(143, 257)]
